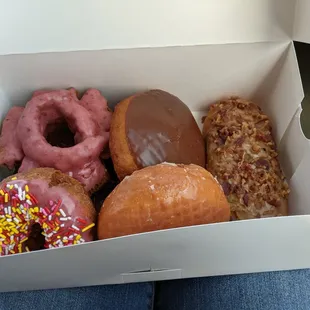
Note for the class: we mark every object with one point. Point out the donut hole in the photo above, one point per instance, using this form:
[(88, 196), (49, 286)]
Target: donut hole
[(59, 134), (36, 240)]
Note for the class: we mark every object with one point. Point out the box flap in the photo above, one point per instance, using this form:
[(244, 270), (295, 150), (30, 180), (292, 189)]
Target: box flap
[(36, 26), (186, 252), (302, 21), (152, 275)]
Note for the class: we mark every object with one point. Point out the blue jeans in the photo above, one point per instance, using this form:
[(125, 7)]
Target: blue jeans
[(278, 290)]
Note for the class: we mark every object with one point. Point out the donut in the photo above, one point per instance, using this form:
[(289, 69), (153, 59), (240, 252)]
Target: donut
[(10, 147), (43, 208), (242, 156), (24, 135), (154, 127), (161, 197)]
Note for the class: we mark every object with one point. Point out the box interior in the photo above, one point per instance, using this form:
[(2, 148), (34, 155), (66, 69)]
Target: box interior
[(199, 75)]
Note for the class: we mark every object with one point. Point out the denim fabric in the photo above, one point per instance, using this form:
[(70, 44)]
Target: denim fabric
[(264, 291), (126, 297), (277, 291)]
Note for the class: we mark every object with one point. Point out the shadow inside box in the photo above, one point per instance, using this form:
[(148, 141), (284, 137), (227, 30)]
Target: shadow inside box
[(6, 172), (303, 54), (100, 195)]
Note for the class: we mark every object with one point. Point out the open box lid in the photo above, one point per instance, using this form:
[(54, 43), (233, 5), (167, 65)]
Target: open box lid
[(36, 26)]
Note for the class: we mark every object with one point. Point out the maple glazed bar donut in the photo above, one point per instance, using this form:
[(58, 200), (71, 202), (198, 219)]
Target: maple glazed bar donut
[(241, 154)]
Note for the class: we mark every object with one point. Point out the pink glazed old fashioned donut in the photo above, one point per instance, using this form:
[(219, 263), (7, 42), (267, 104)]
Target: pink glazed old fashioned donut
[(24, 135)]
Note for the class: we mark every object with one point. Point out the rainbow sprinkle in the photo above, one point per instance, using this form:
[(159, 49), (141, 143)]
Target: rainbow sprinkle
[(19, 210)]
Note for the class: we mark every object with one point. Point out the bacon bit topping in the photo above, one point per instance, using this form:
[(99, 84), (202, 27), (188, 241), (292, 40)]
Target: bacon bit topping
[(243, 158), (262, 163), (226, 188)]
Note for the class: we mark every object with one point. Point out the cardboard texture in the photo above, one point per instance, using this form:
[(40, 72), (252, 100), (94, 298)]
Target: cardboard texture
[(55, 25), (200, 51)]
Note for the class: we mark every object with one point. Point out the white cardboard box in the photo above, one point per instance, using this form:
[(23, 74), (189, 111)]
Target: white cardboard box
[(199, 50)]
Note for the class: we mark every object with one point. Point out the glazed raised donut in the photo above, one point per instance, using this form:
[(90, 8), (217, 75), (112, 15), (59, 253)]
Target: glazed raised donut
[(43, 208), (89, 120), (161, 197)]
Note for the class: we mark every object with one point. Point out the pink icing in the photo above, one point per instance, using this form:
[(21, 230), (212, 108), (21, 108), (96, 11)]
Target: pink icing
[(24, 129), (10, 145), (66, 224)]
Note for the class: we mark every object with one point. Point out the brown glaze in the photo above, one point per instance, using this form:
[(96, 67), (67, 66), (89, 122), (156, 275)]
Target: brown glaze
[(159, 128)]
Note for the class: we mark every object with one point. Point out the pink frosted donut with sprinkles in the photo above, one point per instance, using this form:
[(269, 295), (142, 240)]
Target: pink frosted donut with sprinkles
[(41, 209)]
